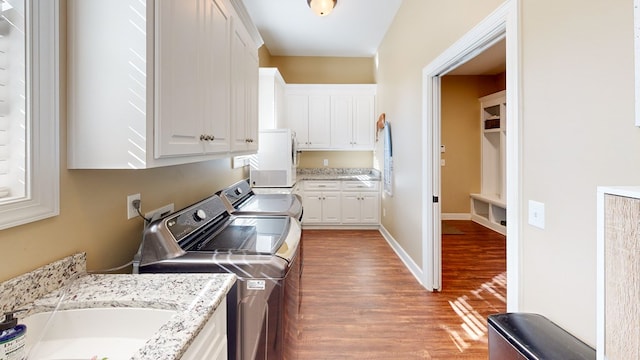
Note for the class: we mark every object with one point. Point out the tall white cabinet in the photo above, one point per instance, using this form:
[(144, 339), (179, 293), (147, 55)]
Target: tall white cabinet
[(150, 82), (489, 207), (271, 104)]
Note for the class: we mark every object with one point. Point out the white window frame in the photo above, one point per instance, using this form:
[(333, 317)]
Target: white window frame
[(43, 158)]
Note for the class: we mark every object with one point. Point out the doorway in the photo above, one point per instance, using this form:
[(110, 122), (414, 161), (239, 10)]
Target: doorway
[(502, 24)]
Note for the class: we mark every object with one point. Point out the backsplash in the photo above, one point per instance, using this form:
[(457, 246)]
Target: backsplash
[(24, 289)]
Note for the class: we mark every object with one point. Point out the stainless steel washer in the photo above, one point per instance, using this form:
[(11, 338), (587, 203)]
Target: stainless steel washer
[(241, 200), (261, 250)]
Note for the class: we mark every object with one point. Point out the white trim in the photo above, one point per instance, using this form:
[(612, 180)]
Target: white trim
[(455, 216), (44, 178), (402, 255), (503, 22)]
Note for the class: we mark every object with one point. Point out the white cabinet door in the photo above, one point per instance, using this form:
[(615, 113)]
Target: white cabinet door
[(297, 118), (370, 208), (179, 100), (244, 90), (331, 207), (319, 122), (363, 127), (350, 207), (341, 121), (312, 201), (217, 29), (239, 45)]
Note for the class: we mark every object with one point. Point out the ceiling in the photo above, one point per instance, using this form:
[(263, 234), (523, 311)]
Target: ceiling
[(492, 61), (355, 28)]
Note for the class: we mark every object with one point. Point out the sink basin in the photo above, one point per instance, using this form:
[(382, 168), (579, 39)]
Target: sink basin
[(114, 333)]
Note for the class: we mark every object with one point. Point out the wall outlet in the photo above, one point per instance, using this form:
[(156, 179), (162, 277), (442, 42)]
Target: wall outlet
[(536, 214), (159, 212), (131, 211), (325, 162)]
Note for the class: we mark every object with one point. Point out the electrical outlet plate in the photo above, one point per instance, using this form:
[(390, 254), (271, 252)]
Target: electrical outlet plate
[(131, 211), (159, 212)]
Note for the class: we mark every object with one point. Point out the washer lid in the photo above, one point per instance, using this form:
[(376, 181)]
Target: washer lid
[(284, 204), (260, 235)]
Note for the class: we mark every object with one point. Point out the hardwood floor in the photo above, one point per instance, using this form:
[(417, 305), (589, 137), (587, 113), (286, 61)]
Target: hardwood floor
[(360, 302)]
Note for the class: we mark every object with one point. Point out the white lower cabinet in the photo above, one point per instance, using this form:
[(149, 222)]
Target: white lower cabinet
[(360, 202), (211, 342), (321, 201), (350, 203)]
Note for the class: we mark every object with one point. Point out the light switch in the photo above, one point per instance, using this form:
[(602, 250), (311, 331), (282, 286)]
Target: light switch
[(536, 214)]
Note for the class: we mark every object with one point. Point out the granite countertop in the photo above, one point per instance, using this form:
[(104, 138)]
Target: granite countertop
[(195, 297), (348, 174)]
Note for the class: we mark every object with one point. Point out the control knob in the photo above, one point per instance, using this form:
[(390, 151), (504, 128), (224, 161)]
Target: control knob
[(199, 215)]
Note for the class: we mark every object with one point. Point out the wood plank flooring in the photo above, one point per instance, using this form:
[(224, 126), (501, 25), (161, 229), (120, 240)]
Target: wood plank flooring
[(360, 302)]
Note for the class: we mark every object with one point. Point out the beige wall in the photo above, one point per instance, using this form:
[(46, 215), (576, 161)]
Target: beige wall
[(93, 214), (337, 159), (460, 133), (324, 70), (578, 133), (421, 30)]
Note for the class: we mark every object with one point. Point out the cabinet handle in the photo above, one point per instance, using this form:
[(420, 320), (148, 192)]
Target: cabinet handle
[(204, 137)]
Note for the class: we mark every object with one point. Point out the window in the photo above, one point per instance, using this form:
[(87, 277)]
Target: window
[(29, 152)]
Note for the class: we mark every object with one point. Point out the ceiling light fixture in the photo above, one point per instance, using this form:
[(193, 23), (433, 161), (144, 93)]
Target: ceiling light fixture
[(322, 7)]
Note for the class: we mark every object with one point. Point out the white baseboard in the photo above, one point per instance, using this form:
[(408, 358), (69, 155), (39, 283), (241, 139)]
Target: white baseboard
[(404, 257), (455, 216)]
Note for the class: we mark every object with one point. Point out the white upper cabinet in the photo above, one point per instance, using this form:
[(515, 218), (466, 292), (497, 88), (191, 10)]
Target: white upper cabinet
[(192, 81), (271, 108), (244, 90), (150, 81), (352, 122), (309, 116), (332, 117)]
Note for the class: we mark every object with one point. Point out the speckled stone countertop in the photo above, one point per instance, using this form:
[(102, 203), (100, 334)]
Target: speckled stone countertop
[(195, 297), (362, 174)]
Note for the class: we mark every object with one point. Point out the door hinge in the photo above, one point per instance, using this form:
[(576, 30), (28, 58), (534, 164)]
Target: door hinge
[(435, 199)]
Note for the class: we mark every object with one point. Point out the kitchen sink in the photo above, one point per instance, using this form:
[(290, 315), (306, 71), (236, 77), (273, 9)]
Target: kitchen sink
[(113, 333)]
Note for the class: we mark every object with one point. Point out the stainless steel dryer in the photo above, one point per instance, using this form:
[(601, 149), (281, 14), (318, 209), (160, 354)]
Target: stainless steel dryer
[(261, 250), (241, 200)]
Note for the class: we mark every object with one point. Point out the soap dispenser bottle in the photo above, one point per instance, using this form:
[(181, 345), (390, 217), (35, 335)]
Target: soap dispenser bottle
[(12, 338)]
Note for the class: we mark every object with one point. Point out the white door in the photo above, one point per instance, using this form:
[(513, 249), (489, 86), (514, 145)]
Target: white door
[(363, 120)]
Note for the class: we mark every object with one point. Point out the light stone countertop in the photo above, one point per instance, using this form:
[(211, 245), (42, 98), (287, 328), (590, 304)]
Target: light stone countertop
[(347, 174), (195, 297)]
